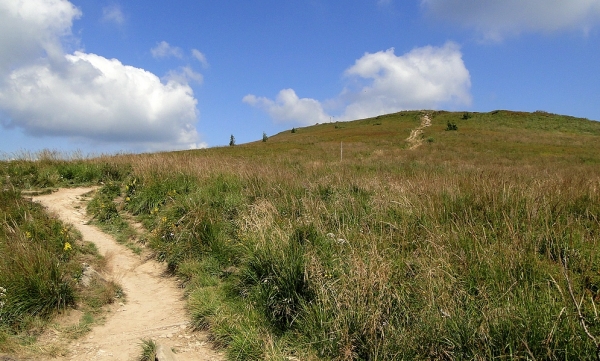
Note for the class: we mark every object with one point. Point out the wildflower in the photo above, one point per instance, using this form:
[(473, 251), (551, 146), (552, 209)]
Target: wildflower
[(65, 232), (2, 297), (127, 199), (163, 219), (28, 236), (67, 247)]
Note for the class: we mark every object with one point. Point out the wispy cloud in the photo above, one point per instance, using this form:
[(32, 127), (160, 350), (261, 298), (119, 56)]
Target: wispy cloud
[(164, 50), (184, 75), (200, 57), (114, 14), (382, 82), (495, 20)]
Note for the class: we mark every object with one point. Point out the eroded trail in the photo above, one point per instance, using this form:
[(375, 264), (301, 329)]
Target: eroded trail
[(414, 139), (155, 308)]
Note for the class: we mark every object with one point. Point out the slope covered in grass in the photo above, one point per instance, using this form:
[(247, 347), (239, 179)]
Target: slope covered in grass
[(41, 257), (461, 248)]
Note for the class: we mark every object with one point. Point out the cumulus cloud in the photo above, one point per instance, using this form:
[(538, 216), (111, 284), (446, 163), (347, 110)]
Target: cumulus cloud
[(200, 57), (424, 78), (496, 19), (45, 91), (164, 50), (114, 14), (287, 107), (102, 99), (33, 28)]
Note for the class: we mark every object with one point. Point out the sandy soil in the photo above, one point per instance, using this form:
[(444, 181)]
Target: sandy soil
[(154, 309), (414, 139)]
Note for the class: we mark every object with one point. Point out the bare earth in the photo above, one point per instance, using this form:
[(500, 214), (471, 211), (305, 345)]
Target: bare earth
[(414, 139), (155, 308)]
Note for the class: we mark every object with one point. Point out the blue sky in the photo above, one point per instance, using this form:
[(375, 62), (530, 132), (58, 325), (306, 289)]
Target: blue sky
[(105, 76)]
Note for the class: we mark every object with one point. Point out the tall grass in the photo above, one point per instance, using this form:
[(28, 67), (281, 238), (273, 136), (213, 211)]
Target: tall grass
[(454, 250), (40, 262), (47, 169), (37, 272)]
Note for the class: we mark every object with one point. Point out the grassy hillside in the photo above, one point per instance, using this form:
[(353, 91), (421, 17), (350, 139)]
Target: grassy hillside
[(41, 265), (472, 245)]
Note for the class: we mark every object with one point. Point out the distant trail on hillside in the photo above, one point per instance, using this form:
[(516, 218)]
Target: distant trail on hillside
[(414, 139), (155, 307)]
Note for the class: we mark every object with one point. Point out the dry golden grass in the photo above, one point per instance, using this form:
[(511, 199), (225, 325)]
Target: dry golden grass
[(452, 250)]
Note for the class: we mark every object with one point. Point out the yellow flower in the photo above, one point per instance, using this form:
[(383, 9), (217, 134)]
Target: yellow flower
[(67, 247), (127, 199), (28, 234)]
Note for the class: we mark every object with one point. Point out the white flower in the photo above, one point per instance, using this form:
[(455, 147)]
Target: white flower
[(2, 296)]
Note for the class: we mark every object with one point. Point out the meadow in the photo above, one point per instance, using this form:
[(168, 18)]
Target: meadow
[(337, 242)]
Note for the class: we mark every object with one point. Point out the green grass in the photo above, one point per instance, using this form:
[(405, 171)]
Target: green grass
[(108, 218), (149, 349), (40, 266), (452, 250), (37, 270), (48, 169)]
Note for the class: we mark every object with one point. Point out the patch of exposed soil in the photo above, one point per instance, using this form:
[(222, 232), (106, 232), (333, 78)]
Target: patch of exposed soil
[(155, 308), (414, 139)]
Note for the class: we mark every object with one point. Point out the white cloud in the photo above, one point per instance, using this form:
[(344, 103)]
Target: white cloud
[(427, 77), (30, 28), (424, 78), (164, 50), (184, 75), (496, 19), (45, 91), (200, 57), (287, 107), (100, 99), (113, 13)]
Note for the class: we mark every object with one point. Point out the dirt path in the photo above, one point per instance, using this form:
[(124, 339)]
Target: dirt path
[(414, 139), (155, 308)]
